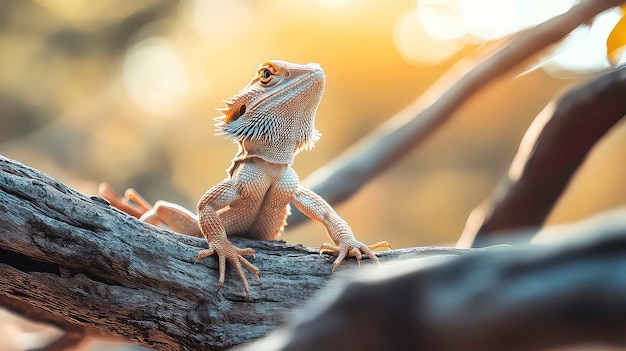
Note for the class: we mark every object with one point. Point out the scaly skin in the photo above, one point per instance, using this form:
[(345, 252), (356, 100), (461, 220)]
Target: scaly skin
[(271, 119)]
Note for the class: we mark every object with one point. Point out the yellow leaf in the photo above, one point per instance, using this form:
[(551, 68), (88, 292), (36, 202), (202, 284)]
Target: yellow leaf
[(616, 42)]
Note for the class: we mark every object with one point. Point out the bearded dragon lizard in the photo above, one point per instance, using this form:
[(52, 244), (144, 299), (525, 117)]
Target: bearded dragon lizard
[(272, 119)]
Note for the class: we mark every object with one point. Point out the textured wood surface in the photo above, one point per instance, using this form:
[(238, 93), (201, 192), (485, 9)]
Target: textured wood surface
[(75, 262), (525, 298)]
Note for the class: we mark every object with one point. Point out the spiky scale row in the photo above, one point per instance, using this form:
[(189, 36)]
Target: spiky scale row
[(270, 119)]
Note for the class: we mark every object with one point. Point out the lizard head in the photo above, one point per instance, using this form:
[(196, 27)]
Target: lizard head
[(277, 108)]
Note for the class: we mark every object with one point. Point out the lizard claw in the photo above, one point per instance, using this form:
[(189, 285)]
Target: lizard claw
[(353, 248), (226, 251)]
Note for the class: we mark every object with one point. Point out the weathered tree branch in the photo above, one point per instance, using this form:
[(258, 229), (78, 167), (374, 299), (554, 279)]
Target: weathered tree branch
[(554, 147), (515, 298), (75, 262), (347, 173)]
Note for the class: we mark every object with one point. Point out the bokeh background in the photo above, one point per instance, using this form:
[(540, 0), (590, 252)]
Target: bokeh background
[(125, 92)]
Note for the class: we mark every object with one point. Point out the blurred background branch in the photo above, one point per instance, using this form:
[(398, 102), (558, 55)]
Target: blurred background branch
[(346, 174), (554, 147), (517, 298)]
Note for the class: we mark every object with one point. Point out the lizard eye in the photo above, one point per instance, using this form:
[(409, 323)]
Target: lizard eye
[(265, 75)]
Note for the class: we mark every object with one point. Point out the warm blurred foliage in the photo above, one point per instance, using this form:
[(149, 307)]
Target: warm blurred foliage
[(124, 92)]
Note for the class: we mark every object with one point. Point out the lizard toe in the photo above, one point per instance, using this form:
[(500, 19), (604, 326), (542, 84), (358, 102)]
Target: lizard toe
[(328, 247), (356, 252), (227, 252), (246, 251), (203, 254), (356, 249), (380, 245)]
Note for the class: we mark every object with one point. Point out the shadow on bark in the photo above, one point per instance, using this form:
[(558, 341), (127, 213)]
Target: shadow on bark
[(511, 298)]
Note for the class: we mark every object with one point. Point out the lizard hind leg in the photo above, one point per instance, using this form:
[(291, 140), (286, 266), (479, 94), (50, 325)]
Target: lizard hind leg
[(123, 204), (132, 195), (176, 217)]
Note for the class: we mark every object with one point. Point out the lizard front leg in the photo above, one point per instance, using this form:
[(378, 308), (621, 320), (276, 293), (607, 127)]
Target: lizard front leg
[(316, 208), (220, 196)]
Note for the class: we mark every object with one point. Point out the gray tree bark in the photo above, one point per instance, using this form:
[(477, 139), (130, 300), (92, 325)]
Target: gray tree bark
[(74, 262), (520, 298)]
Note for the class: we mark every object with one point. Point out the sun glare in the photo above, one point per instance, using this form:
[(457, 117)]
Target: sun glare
[(485, 20), (416, 44), (156, 76), (584, 51), (439, 28), (330, 4), (441, 19), (217, 19), (493, 19)]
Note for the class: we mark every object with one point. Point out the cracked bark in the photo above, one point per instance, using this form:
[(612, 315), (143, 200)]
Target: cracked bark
[(72, 261), (76, 263)]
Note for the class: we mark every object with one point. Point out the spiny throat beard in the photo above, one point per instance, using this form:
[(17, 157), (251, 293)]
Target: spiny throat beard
[(282, 117)]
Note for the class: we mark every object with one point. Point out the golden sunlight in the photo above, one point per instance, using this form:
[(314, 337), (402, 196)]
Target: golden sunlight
[(493, 19), (439, 28), (216, 19), (156, 77), (584, 50), (333, 3), (416, 44), (441, 19)]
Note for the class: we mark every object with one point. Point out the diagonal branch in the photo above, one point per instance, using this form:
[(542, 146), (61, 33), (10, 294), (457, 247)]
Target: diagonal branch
[(76, 263), (554, 147), (347, 173)]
